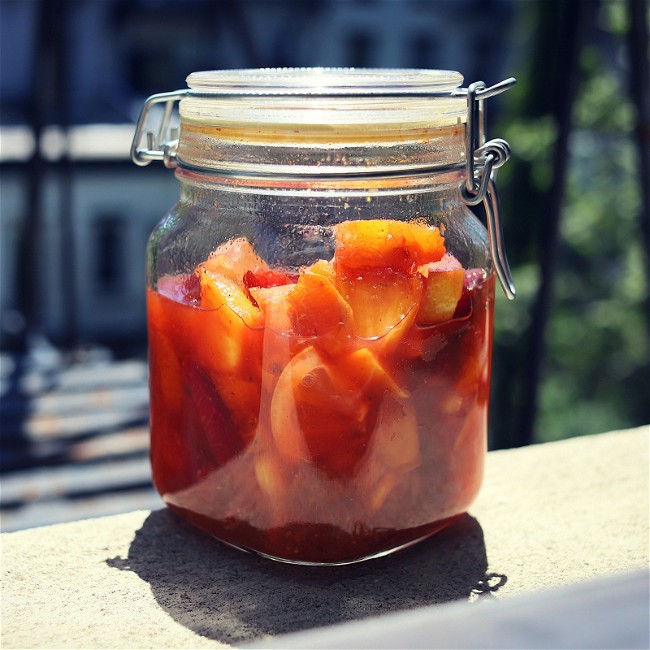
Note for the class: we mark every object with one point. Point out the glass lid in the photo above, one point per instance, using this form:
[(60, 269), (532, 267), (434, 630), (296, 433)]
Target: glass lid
[(325, 96), (325, 81)]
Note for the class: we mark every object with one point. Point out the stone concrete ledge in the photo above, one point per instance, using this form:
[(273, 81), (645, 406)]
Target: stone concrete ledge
[(548, 515), (604, 613)]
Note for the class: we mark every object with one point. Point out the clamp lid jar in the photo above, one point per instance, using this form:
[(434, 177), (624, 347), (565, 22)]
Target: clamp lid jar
[(320, 306)]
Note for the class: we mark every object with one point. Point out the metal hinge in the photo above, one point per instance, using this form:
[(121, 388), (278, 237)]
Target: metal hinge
[(483, 159), (161, 145)]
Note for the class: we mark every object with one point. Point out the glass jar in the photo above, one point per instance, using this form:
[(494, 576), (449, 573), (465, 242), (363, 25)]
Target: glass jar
[(320, 307)]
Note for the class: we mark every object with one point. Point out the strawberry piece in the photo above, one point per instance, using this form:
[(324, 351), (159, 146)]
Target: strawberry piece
[(207, 422), (218, 290), (265, 278)]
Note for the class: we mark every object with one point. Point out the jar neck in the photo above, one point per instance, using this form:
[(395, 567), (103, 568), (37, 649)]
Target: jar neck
[(196, 184), (320, 150)]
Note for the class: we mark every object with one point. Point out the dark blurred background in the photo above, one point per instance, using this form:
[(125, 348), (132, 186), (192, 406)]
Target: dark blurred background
[(571, 353)]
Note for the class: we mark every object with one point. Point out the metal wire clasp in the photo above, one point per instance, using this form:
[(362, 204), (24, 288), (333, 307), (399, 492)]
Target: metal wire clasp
[(483, 159), (161, 145)]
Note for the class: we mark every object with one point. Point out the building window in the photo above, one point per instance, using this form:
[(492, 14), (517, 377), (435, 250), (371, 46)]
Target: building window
[(424, 50), (109, 264), (361, 50)]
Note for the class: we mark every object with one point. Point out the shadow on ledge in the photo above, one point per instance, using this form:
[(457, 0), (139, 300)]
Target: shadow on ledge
[(234, 597)]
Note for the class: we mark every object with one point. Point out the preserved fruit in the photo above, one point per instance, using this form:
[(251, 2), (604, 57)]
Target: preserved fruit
[(326, 415)]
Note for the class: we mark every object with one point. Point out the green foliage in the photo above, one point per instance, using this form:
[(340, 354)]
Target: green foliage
[(596, 373)]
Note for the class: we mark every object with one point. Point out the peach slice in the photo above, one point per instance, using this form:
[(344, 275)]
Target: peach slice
[(362, 371), (394, 451), (386, 243), (274, 303), (233, 259), (318, 416), (218, 289), (380, 299), (317, 310), (443, 287), (226, 333)]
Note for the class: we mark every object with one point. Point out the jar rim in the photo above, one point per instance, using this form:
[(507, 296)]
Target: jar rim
[(322, 81), (349, 100)]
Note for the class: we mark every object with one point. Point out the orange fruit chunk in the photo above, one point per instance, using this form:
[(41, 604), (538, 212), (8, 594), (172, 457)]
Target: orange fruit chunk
[(386, 243), (443, 287), (316, 308)]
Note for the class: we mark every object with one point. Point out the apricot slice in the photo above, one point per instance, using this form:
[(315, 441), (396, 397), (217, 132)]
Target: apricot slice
[(386, 243)]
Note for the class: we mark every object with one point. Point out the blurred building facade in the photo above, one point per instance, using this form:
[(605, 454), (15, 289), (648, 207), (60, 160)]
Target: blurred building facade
[(74, 212)]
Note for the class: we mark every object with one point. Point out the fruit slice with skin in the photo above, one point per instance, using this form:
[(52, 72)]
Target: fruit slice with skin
[(233, 259), (323, 410), (380, 299), (473, 279), (363, 372), (386, 243), (443, 286), (218, 289), (274, 304), (308, 385), (317, 310), (394, 451), (278, 342)]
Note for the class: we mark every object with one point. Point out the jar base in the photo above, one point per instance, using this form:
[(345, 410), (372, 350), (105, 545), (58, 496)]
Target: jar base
[(373, 556)]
